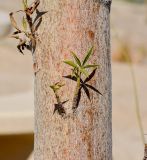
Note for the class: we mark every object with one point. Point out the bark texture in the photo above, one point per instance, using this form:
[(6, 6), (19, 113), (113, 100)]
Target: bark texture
[(72, 25)]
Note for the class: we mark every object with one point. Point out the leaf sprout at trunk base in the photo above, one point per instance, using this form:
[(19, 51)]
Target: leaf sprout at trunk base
[(59, 106), (80, 70)]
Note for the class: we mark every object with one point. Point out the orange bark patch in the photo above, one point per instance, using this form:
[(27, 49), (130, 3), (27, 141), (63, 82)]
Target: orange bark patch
[(86, 137), (87, 134), (91, 34), (90, 113), (65, 152), (96, 7)]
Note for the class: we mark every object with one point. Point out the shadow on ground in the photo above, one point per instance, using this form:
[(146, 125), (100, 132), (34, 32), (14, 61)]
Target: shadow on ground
[(16, 147)]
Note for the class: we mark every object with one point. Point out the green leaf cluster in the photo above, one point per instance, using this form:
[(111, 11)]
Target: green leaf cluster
[(55, 87), (79, 67)]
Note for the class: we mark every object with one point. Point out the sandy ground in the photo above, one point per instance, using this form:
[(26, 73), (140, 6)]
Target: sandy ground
[(126, 136), (16, 98)]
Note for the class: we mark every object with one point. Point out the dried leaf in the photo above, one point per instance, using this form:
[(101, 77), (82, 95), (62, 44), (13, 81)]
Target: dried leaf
[(90, 76), (13, 22), (64, 102), (16, 37), (38, 24), (86, 91), (30, 10), (39, 15), (60, 109), (77, 100), (94, 89), (21, 46), (71, 77), (16, 32)]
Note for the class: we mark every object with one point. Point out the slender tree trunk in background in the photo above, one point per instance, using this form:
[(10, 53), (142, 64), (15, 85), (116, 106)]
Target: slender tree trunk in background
[(73, 25), (145, 152)]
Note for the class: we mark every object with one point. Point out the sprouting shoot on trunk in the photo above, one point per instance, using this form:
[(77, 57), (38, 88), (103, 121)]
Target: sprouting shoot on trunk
[(27, 33), (80, 71), (59, 106)]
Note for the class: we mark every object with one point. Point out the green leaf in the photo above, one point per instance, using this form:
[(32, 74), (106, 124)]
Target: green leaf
[(25, 4), (24, 23), (87, 56), (71, 63), (91, 66), (56, 86), (76, 58), (82, 70)]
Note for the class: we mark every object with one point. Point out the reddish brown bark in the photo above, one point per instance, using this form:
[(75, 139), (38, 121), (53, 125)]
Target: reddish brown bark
[(72, 25)]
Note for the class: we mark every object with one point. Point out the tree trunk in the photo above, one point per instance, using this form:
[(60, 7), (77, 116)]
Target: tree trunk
[(73, 25), (145, 152)]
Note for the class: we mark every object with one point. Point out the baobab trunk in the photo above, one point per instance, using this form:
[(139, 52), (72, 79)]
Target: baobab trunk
[(73, 25)]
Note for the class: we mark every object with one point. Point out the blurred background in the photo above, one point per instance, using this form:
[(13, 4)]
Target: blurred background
[(129, 66)]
